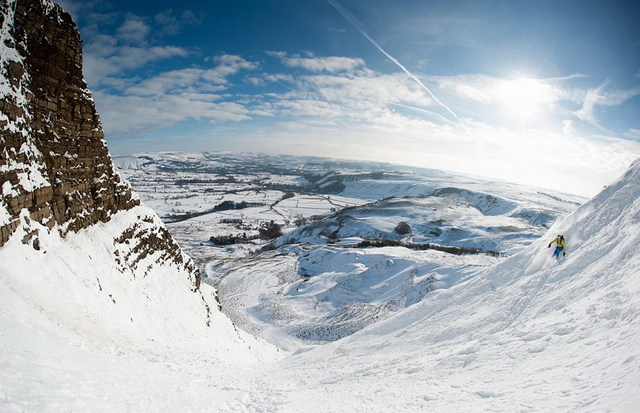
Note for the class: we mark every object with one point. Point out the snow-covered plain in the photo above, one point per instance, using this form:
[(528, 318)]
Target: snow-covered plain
[(526, 333)]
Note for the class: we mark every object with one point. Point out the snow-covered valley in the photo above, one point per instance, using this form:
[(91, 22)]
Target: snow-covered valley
[(252, 283), (316, 281), (514, 333)]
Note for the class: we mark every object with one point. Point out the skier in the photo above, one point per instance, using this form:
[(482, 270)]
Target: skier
[(560, 246)]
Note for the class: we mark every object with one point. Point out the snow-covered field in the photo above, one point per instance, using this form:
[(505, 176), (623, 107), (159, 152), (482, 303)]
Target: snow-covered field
[(301, 295), (316, 286), (517, 333)]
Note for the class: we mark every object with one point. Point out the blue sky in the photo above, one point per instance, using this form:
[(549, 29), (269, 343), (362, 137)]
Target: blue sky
[(544, 93)]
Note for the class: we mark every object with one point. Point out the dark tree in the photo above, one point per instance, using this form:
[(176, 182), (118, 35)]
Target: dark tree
[(270, 230), (403, 228)]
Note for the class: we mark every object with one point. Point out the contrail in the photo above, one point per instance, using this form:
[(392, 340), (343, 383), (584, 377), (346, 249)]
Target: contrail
[(425, 111), (355, 23)]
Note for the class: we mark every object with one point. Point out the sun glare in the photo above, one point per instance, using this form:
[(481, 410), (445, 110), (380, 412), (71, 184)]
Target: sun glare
[(523, 97)]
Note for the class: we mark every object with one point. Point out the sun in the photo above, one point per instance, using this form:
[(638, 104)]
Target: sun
[(523, 98)]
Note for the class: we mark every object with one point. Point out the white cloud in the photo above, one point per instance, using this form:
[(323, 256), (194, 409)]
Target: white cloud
[(167, 83), (123, 115), (176, 96), (367, 97), (193, 79), (107, 59), (115, 44), (331, 64), (104, 59), (284, 80), (133, 31), (371, 89), (228, 65), (587, 112), (600, 96)]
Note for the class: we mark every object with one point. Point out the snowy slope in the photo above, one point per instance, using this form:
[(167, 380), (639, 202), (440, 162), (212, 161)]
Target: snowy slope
[(46, 367), (527, 334), (89, 283), (86, 273), (315, 295)]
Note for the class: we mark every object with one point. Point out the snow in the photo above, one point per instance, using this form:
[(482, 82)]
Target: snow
[(80, 281), (528, 333), (5, 216), (47, 368), (489, 216), (445, 220), (316, 295)]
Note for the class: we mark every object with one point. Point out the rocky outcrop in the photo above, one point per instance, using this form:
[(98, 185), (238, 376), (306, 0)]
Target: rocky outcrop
[(56, 173), (56, 135)]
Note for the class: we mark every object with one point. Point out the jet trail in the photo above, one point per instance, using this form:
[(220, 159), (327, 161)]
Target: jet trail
[(355, 23)]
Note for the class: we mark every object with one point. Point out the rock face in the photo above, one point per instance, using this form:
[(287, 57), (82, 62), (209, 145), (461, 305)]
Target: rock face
[(58, 131), (55, 170)]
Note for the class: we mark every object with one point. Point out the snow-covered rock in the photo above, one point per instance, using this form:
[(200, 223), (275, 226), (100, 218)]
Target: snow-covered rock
[(77, 248)]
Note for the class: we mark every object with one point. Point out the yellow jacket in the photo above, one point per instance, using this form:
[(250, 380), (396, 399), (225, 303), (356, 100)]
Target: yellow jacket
[(559, 242)]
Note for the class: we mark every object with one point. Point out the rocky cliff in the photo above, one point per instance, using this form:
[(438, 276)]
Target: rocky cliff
[(55, 168), (74, 238), (55, 162)]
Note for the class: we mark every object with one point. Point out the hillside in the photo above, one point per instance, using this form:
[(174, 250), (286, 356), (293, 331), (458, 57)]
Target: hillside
[(102, 311), (78, 252), (527, 334), (320, 282)]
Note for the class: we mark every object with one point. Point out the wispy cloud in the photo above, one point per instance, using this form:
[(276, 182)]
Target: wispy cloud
[(603, 96), (129, 114), (117, 43), (104, 59), (228, 65), (351, 19), (331, 64), (133, 31), (172, 23), (194, 80)]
